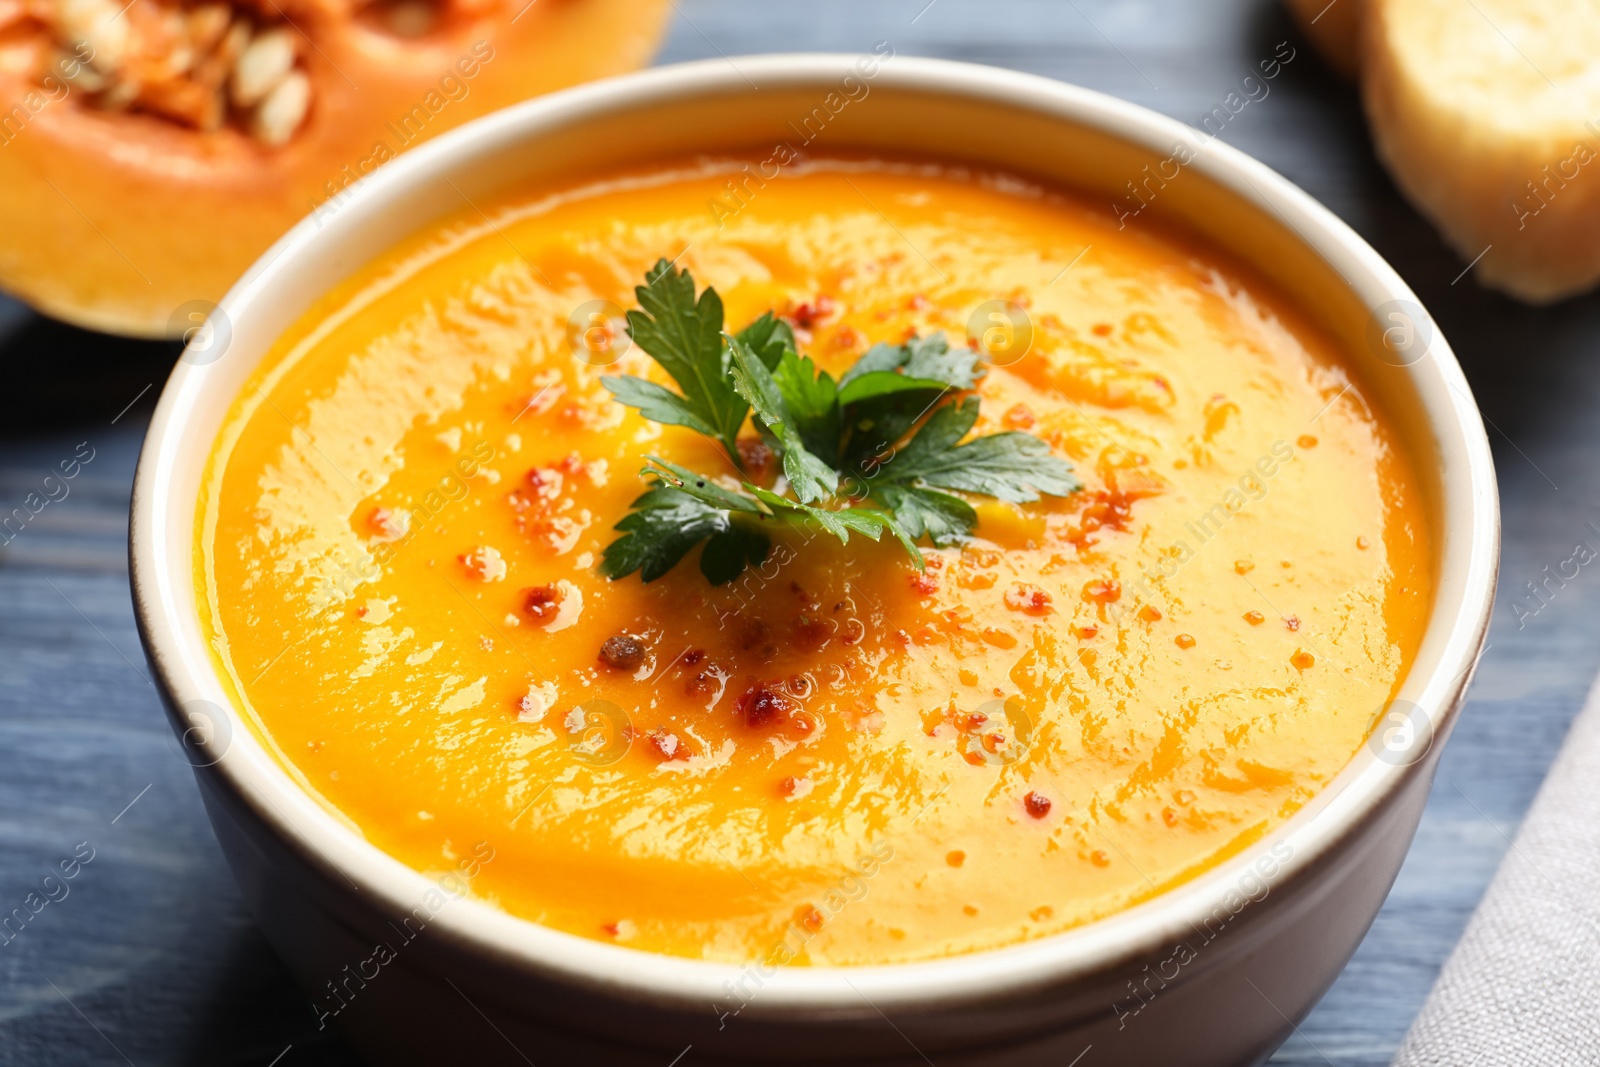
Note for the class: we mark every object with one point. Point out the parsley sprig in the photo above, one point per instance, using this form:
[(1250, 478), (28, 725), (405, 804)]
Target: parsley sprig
[(888, 433)]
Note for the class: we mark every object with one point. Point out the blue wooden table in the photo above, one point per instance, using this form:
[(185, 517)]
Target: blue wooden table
[(150, 958)]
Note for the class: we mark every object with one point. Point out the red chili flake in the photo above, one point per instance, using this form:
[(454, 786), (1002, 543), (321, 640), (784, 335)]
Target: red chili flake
[(760, 705), (1102, 329), (611, 928), (574, 464), (485, 563), (1184, 640), (1099, 858), (1169, 816), (1085, 633), (924, 584), (361, 612), (693, 656), (541, 602), (808, 917), (812, 634), (980, 557), (1306, 441), (755, 457), (1038, 805), (846, 338), (1292, 622), (664, 743), (545, 482), (1028, 598), (806, 316), (1149, 614), (1254, 618), (622, 653), (1102, 590), (707, 681), (794, 787), (1302, 659), (1110, 508), (390, 524), (955, 857), (1018, 418), (751, 633), (973, 722)]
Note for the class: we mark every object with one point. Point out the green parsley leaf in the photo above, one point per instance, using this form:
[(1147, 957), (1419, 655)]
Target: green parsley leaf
[(944, 519), (683, 509), (813, 402), (809, 476), (892, 426), (891, 387), (929, 358), (728, 553), (685, 337), (884, 382), (769, 337), (840, 523), (658, 403), (698, 486), (663, 526), (1015, 467)]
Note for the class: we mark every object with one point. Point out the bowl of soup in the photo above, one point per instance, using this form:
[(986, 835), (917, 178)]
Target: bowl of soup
[(1115, 764)]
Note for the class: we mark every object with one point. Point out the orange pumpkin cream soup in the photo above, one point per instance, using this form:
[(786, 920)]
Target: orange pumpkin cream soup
[(885, 562)]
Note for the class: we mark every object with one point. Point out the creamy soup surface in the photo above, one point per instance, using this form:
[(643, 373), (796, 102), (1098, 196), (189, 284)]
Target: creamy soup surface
[(1098, 698)]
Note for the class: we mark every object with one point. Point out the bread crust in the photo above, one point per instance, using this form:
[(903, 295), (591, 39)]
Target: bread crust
[(1508, 172)]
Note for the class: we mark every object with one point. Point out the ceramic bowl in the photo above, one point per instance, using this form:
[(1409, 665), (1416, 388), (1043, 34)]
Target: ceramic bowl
[(1214, 972)]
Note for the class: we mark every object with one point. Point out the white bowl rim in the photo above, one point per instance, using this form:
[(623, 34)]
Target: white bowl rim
[(185, 671)]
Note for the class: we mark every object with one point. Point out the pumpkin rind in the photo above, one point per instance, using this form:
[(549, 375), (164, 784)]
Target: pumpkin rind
[(116, 220)]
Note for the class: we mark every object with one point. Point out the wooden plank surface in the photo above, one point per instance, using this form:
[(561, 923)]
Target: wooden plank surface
[(150, 958)]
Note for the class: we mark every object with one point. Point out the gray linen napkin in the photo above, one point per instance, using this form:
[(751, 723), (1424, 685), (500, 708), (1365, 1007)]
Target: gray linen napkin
[(1523, 986)]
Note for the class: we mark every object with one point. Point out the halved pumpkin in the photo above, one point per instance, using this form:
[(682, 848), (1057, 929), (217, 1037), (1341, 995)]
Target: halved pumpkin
[(150, 152)]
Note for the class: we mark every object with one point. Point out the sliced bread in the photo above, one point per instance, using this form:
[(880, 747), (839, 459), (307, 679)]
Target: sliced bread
[(1487, 112)]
